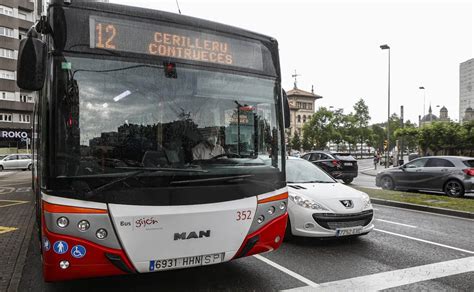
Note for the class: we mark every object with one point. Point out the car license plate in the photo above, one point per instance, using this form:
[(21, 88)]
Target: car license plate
[(347, 163), (348, 231), (186, 262)]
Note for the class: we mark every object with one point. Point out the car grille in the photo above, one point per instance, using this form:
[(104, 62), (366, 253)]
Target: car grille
[(334, 221)]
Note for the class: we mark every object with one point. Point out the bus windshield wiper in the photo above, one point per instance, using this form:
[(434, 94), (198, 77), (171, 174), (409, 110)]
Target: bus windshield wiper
[(158, 169), (212, 179), (139, 170)]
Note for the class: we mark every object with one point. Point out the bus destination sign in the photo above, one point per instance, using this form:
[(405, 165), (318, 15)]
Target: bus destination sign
[(174, 42)]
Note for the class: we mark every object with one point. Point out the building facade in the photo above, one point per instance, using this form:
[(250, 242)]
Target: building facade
[(430, 117), (466, 87), (16, 106), (302, 107)]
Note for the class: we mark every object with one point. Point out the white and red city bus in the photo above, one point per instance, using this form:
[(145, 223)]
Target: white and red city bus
[(150, 130)]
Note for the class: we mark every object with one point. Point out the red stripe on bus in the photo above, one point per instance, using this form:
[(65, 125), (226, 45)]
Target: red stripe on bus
[(274, 198), (53, 208)]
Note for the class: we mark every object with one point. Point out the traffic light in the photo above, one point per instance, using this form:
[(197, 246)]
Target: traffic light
[(385, 145), (170, 70)]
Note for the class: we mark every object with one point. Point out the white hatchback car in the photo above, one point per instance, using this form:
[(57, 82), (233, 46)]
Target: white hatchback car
[(16, 161), (319, 206)]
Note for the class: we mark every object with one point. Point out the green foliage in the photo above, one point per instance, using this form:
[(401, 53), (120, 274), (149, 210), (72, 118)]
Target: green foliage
[(296, 141), (319, 130)]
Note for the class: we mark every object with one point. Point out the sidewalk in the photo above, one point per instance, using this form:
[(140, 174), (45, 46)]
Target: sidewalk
[(16, 224)]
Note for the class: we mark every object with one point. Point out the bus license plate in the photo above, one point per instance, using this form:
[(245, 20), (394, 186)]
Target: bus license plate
[(194, 261), (348, 231)]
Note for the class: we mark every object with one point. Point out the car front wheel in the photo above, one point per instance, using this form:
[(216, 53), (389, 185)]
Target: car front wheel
[(387, 183), (454, 188), (1, 167), (347, 180)]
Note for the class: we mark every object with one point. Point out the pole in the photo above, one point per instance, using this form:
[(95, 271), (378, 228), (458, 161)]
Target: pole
[(403, 125), (238, 129), (388, 114)]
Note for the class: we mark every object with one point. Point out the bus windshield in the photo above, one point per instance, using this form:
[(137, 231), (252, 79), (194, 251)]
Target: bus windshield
[(119, 117)]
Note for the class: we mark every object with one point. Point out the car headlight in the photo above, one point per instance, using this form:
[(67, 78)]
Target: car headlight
[(366, 202), (307, 203)]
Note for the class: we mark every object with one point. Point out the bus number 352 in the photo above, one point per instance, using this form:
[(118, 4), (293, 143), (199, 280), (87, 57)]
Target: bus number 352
[(244, 215)]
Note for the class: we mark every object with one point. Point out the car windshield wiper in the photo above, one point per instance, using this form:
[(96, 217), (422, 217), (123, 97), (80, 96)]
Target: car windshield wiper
[(319, 181), (212, 179), (139, 170)]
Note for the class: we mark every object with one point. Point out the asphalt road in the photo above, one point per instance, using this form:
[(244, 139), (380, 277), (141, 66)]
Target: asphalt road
[(408, 250)]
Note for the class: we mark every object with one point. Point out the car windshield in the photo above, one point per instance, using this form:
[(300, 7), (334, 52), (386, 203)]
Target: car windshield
[(302, 171), (120, 116)]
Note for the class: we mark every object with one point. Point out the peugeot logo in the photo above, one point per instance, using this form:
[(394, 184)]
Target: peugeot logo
[(347, 203)]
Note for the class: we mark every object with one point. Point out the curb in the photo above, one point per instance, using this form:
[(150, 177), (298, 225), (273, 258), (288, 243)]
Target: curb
[(20, 261), (443, 211), (368, 173)]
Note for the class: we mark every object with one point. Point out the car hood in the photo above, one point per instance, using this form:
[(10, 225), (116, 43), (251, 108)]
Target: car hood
[(330, 195)]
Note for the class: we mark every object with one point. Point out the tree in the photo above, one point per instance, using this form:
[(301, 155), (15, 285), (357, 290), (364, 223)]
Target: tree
[(338, 127), (319, 130), (296, 142), (361, 120), (378, 136)]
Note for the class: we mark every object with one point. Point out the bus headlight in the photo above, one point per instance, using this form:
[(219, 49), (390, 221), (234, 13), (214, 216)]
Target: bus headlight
[(101, 233), (307, 203), (62, 222), (282, 206), (64, 264), (271, 210), (260, 219), (83, 225)]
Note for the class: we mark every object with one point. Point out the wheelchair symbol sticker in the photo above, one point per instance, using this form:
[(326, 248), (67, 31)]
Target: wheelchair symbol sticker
[(60, 247), (78, 251)]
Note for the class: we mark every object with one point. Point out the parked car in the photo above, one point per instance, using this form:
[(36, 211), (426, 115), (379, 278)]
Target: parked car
[(319, 206), (16, 161), (453, 175), (339, 165)]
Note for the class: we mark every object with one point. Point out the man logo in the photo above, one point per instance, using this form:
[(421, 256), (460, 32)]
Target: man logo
[(192, 234), (347, 203)]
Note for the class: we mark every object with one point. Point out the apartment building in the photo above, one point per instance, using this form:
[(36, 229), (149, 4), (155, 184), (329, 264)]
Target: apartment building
[(16, 106)]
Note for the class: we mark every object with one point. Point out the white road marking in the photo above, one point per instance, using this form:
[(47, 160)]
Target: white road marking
[(425, 241), (391, 222), (423, 212), (286, 271), (397, 278)]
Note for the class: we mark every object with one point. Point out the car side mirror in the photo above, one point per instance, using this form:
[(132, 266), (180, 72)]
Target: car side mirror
[(31, 65), (286, 110)]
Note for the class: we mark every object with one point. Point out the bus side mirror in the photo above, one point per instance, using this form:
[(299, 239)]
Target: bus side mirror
[(286, 109), (31, 65)]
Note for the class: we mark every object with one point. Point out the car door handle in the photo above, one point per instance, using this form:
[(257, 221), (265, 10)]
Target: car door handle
[(444, 170)]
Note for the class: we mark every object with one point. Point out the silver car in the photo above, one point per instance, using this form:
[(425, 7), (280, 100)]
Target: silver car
[(453, 175), (16, 161)]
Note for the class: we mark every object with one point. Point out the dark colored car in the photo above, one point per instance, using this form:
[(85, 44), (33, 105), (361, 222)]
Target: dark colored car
[(338, 165), (453, 175)]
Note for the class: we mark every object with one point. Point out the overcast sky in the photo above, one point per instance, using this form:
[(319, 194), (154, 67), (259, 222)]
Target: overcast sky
[(334, 45)]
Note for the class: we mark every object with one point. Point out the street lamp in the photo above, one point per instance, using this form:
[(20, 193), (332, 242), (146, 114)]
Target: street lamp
[(386, 47), (424, 96)]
